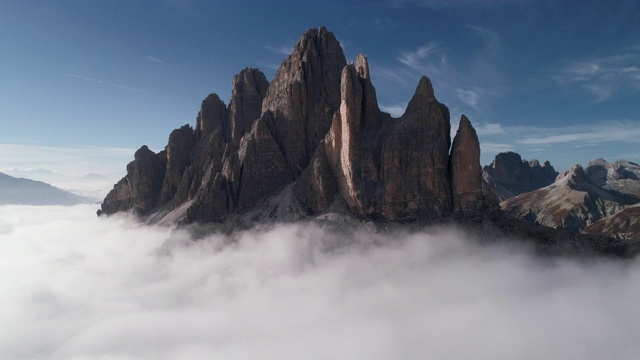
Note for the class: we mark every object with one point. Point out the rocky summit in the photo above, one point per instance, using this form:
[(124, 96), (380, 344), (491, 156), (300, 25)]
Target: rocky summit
[(312, 139)]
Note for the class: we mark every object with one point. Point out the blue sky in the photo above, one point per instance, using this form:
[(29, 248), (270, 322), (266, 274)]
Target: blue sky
[(556, 80)]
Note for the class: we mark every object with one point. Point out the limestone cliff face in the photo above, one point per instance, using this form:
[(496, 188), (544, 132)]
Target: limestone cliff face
[(313, 138)]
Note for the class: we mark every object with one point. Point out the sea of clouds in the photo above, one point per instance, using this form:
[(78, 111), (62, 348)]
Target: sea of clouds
[(74, 286)]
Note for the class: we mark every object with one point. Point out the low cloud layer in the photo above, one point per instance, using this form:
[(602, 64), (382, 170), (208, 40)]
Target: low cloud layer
[(73, 286)]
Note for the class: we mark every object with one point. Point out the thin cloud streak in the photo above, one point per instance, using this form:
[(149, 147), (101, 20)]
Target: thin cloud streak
[(619, 131), (415, 58), (107, 83), (156, 60), (282, 50)]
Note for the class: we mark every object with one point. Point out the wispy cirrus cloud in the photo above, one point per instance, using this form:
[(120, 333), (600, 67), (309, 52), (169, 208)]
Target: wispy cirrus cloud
[(489, 36), (280, 49), (416, 58), (489, 129), (612, 131), (86, 78), (155, 59), (469, 97), (472, 81), (605, 76)]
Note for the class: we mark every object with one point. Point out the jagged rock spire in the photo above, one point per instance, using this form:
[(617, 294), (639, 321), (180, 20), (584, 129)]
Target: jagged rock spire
[(212, 117), (466, 173)]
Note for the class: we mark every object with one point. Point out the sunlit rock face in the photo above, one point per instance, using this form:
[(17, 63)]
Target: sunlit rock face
[(312, 140)]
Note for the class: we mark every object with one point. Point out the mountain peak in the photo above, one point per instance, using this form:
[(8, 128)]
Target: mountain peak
[(424, 94)]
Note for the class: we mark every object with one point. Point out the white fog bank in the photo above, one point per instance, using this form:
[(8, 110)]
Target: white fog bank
[(73, 286)]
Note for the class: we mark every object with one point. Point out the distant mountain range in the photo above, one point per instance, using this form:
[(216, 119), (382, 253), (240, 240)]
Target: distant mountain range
[(20, 191), (602, 199), (91, 185)]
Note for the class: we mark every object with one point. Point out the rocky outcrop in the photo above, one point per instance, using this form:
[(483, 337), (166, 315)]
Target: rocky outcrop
[(573, 202), (509, 175), (311, 140), (139, 190)]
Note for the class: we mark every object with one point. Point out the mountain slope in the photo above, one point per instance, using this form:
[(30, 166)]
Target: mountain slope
[(621, 225), (19, 191), (572, 202)]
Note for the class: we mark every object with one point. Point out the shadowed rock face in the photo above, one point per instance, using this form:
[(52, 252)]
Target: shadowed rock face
[(510, 175), (140, 188), (308, 141)]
